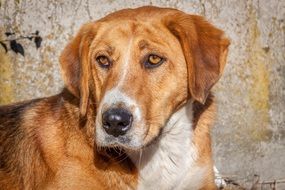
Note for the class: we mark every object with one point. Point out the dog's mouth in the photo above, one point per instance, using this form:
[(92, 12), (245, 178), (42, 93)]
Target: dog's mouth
[(136, 139), (119, 127), (125, 142), (121, 123), (121, 142)]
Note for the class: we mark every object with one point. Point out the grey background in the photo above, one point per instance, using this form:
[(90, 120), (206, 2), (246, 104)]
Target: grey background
[(249, 135)]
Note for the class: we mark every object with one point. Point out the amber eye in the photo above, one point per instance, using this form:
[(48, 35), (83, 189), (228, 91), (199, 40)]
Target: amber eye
[(103, 61), (153, 61)]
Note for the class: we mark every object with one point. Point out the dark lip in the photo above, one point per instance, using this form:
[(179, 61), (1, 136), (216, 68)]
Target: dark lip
[(116, 143), (122, 145), (129, 148)]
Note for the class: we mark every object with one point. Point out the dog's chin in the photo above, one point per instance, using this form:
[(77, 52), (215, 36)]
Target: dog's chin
[(129, 142), (120, 143), (122, 146), (126, 145)]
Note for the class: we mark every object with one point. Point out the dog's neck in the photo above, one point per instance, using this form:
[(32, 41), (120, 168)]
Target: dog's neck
[(169, 162)]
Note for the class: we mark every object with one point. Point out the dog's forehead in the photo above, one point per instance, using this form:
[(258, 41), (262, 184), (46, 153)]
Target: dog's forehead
[(118, 33), (138, 19)]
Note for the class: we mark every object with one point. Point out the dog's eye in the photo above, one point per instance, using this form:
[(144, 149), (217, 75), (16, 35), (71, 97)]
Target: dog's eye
[(103, 61), (153, 61)]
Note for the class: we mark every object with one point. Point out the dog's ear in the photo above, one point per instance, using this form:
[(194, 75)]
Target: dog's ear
[(75, 68), (205, 49)]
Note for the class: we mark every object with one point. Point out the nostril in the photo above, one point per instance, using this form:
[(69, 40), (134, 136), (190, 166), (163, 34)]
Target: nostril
[(105, 122), (122, 124), (116, 121)]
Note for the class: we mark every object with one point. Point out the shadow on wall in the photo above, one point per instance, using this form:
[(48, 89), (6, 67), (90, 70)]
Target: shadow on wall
[(11, 43)]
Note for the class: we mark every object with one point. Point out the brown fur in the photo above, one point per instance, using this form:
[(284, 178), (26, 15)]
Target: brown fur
[(44, 144), (204, 116), (49, 143)]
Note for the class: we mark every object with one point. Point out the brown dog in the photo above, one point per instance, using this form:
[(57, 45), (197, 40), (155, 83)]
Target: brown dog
[(135, 114)]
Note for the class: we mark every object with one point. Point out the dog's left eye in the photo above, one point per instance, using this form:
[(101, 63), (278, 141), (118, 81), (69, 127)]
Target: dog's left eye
[(103, 61), (153, 61)]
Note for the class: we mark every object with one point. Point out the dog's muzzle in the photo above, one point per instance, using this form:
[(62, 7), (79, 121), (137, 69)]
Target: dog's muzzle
[(117, 121)]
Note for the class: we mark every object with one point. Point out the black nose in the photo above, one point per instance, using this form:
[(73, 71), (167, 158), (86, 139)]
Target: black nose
[(117, 121)]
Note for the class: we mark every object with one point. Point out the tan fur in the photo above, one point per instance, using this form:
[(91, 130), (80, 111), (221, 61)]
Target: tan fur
[(204, 116), (50, 143)]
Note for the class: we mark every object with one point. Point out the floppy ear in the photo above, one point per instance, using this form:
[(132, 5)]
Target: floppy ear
[(205, 49), (74, 62)]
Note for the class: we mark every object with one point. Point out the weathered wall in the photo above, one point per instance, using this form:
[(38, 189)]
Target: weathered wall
[(249, 136)]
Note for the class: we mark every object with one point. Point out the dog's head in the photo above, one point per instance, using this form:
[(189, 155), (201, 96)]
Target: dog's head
[(138, 66)]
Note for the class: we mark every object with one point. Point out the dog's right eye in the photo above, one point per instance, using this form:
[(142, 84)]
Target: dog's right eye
[(153, 60), (103, 61)]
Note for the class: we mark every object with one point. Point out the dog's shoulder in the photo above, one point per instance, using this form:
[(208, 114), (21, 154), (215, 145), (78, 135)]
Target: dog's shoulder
[(12, 138), (10, 114), (14, 114), (21, 125), (11, 117)]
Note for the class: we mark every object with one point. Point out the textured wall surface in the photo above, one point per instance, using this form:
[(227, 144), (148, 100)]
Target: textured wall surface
[(249, 136)]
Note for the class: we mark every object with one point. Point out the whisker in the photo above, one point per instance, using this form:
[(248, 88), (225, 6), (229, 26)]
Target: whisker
[(122, 159)]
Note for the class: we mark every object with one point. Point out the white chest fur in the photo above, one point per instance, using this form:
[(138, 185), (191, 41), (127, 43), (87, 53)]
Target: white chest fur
[(169, 163)]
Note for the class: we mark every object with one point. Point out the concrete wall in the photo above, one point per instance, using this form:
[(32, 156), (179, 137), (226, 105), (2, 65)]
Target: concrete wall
[(249, 136)]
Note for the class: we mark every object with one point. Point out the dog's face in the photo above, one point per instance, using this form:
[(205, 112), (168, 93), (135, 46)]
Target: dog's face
[(139, 66), (140, 78)]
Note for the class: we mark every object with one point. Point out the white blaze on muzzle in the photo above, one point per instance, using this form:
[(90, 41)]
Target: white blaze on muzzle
[(117, 98)]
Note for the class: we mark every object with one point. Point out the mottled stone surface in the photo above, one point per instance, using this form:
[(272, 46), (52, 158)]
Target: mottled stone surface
[(249, 136)]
